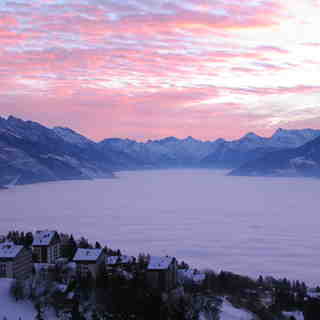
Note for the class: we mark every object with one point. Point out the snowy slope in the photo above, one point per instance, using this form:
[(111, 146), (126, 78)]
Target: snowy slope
[(301, 161), (13, 310), (229, 312), (32, 153), (298, 315), (292, 138), (10, 308), (72, 136)]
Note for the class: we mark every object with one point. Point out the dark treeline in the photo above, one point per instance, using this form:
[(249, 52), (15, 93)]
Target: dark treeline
[(123, 293)]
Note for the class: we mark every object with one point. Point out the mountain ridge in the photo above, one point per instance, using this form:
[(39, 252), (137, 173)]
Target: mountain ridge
[(31, 152), (219, 153), (303, 161)]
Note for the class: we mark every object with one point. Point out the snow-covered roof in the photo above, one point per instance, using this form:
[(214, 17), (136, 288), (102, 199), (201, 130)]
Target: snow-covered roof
[(191, 274), (159, 263), (9, 250), (43, 238), (112, 260), (87, 254)]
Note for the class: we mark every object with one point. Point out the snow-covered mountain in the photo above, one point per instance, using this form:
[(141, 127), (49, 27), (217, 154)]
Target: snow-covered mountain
[(30, 152), (301, 161), (166, 152), (114, 159), (292, 138), (190, 152), (73, 137)]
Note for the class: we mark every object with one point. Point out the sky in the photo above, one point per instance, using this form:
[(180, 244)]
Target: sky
[(146, 69)]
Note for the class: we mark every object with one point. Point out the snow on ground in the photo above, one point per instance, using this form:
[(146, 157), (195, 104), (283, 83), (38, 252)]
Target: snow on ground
[(229, 312), (298, 315), (13, 310)]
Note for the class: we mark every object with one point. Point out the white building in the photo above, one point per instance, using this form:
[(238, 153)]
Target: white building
[(162, 273), (46, 246), (89, 261), (15, 261)]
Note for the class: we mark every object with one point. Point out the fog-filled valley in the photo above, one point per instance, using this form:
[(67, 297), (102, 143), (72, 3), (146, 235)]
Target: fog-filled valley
[(251, 225)]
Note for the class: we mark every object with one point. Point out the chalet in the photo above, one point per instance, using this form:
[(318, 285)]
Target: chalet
[(162, 273), (89, 261), (46, 246), (15, 261)]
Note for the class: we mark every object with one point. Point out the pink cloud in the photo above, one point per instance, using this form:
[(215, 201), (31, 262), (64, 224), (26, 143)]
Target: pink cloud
[(300, 89), (141, 69), (312, 44), (272, 49), (205, 19)]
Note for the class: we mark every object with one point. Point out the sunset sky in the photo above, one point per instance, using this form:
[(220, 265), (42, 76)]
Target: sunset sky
[(147, 69)]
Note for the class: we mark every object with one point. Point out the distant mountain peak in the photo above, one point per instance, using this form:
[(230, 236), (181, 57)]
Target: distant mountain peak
[(281, 131), (71, 136), (303, 160), (250, 135), (190, 138), (219, 140), (12, 118), (167, 139)]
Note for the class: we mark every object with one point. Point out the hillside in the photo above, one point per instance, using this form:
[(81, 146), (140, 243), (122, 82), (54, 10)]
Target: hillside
[(30, 152), (303, 161)]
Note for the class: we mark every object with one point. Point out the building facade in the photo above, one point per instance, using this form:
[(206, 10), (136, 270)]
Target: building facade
[(89, 262), (162, 273), (46, 246), (15, 261)]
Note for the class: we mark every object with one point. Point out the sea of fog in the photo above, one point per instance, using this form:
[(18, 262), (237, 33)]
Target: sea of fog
[(252, 226)]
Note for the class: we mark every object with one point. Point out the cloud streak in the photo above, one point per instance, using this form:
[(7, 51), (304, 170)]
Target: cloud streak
[(146, 69)]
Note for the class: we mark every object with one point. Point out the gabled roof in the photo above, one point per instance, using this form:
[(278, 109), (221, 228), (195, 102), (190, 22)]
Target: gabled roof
[(9, 250), (112, 260), (87, 255), (43, 238), (160, 263)]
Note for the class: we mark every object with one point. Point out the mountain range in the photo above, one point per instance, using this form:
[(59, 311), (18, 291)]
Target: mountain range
[(31, 152), (302, 161), (189, 152)]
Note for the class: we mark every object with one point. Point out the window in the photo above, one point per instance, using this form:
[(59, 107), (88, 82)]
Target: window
[(3, 270)]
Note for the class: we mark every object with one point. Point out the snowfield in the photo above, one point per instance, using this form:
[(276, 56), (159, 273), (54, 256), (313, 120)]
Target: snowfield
[(250, 226), (229, 312), (11, 309), (298, 315)]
